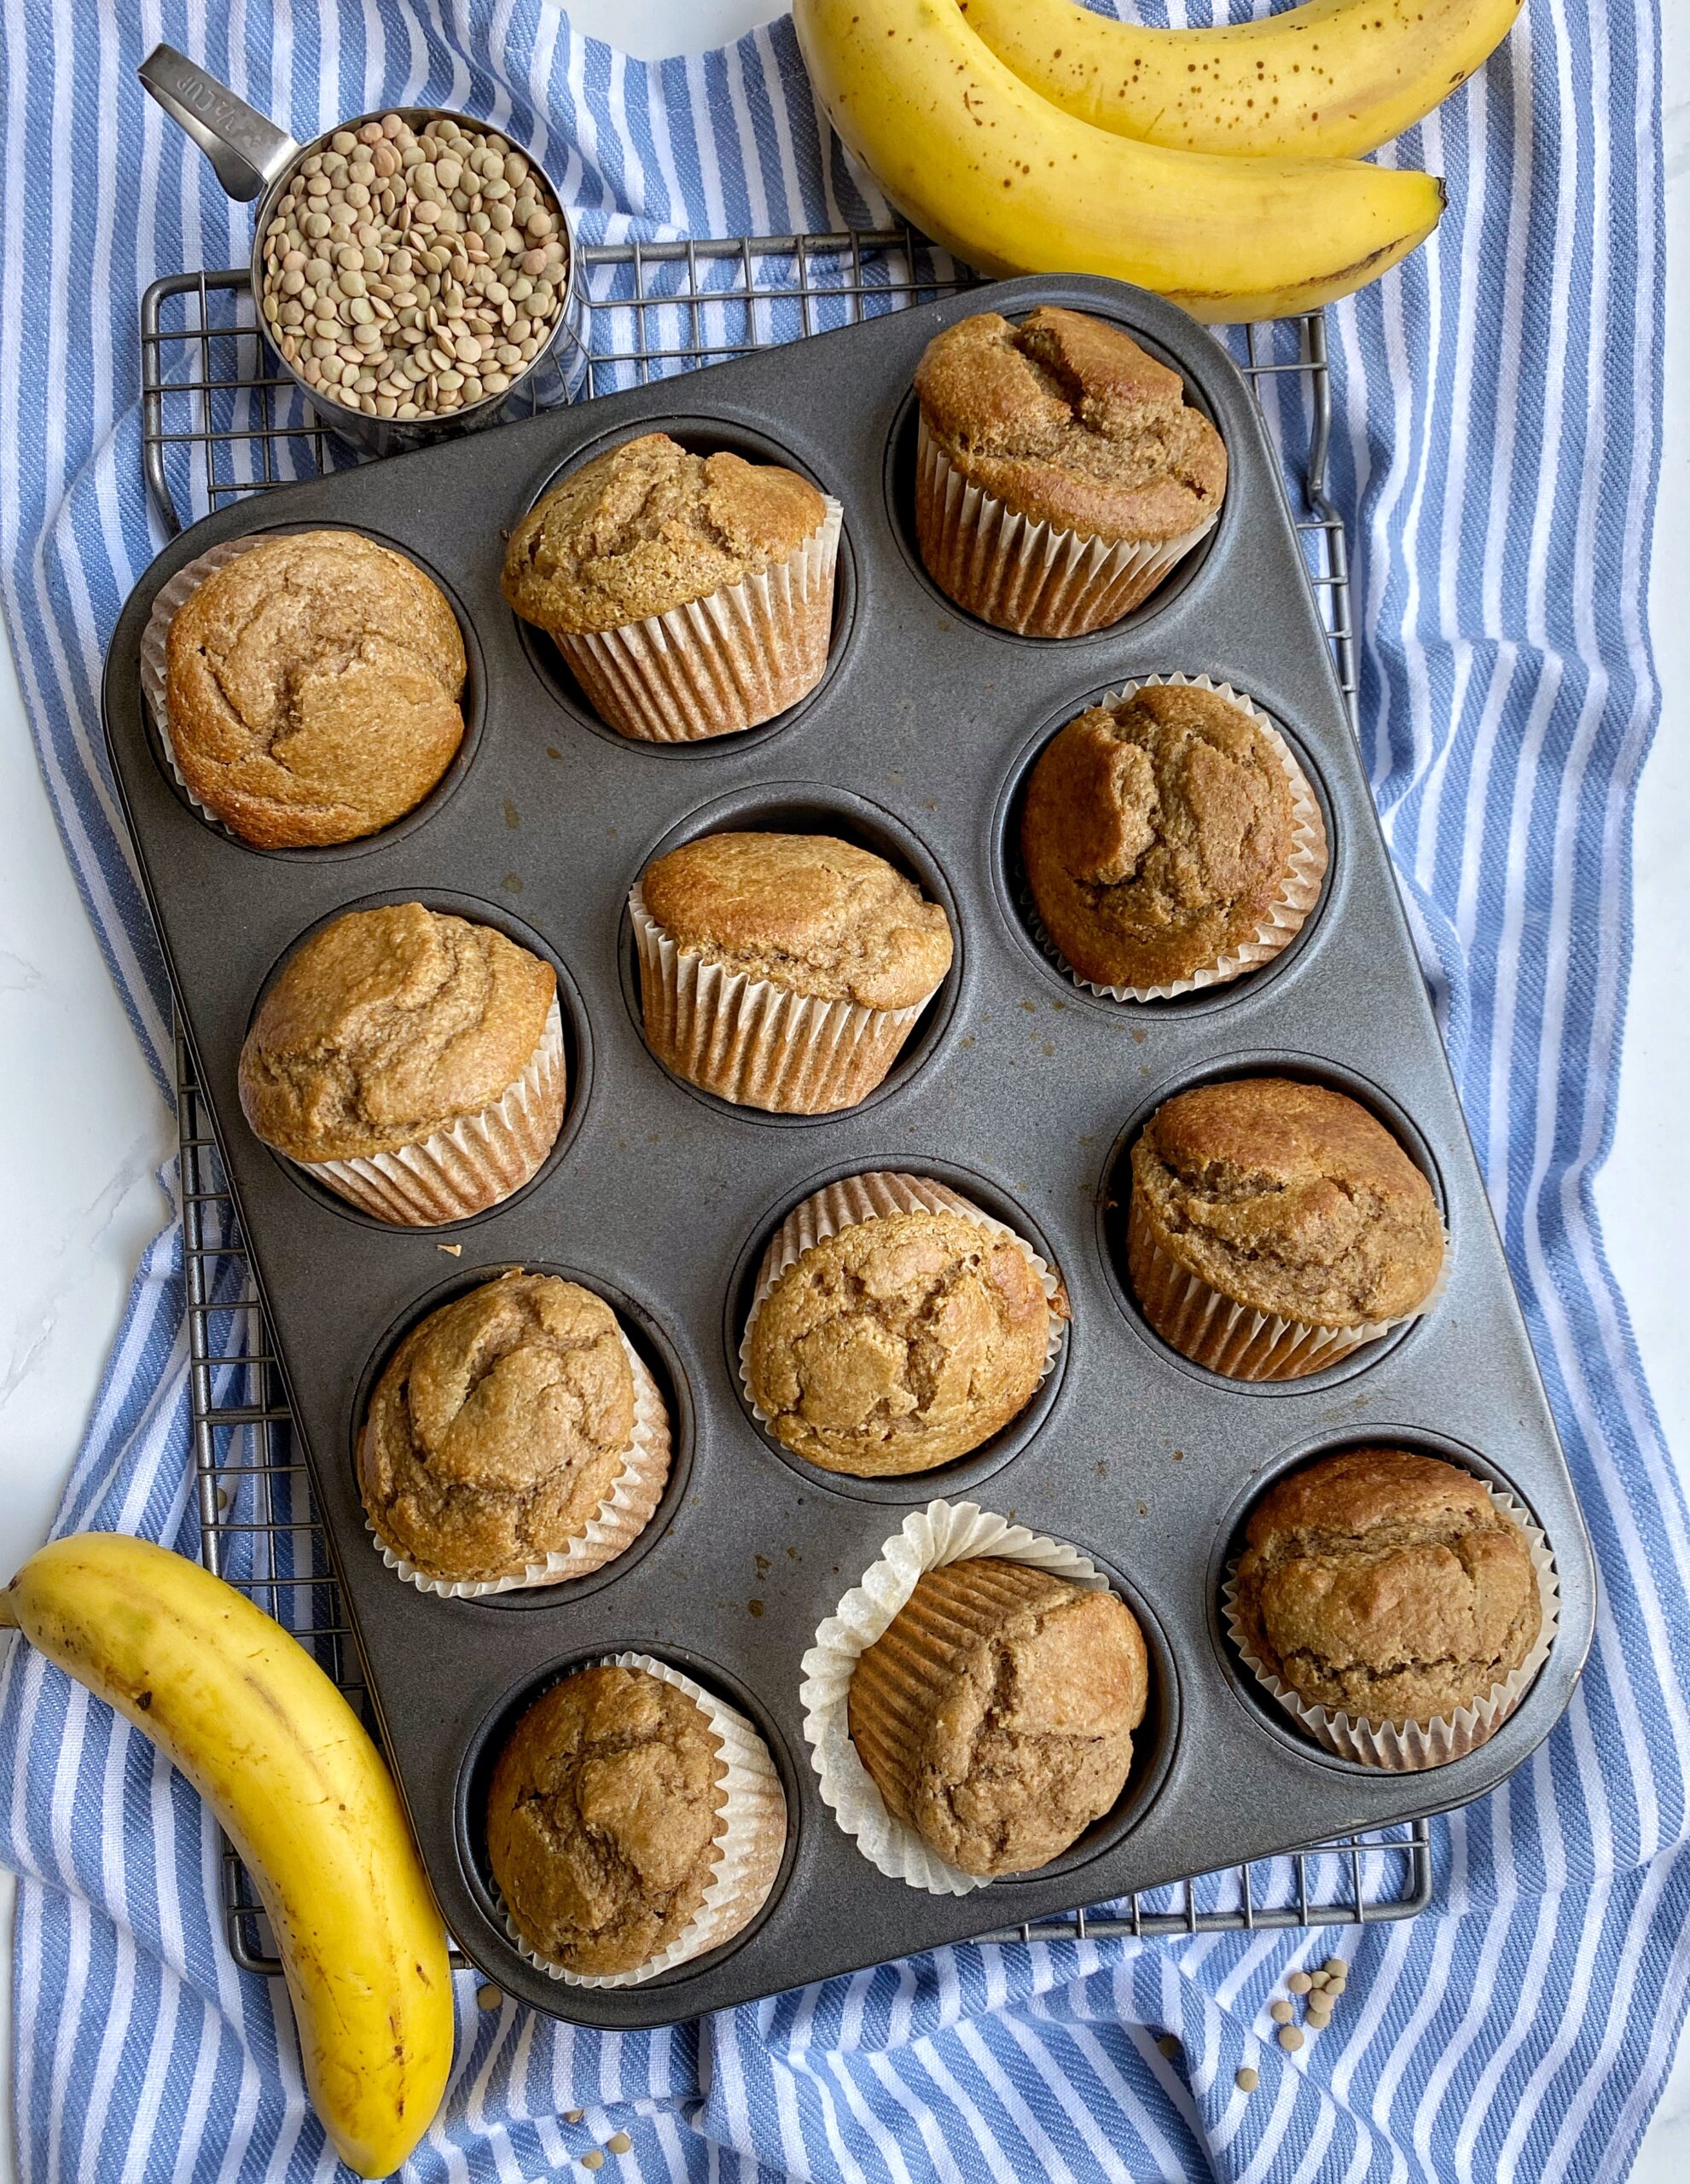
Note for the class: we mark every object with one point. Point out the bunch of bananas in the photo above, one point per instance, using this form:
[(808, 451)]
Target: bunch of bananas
[(284, 1764), (1214, 166)]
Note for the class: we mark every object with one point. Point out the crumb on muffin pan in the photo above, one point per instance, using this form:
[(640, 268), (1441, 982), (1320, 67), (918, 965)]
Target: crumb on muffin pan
[(1291, 1135)]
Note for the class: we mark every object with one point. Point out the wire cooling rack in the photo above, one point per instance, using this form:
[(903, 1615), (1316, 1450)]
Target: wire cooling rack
[(218, 421)]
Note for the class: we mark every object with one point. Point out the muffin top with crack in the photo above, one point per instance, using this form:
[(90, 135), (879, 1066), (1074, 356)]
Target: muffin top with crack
[(899, 1343), (807, 912), (1386, 1584), (386, 1025), (1290, 1198), (502, 1423), (603, 1819), (312, 689), (1156, 834), (1067, 420), (996, 1711), (647, 526)]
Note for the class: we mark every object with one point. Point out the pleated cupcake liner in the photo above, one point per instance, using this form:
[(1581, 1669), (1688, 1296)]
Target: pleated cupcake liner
[(720, 664), (1235, 1339), (473, 1162), (929, 1539), (1298, 891), (748, 1849), (613, 1528), (1407, 1747), (155, 656), (756, 1043), (1033, 577), (868, 1197)]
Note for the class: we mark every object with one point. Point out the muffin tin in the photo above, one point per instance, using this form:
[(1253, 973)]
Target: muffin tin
[(1018, 1087)]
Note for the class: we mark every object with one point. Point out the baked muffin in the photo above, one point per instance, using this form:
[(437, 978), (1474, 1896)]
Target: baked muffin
[(1061, 472), (410, 1061), (783, 971), (1169, 840), (515, 1439), (997, 1712), (312, 687), (1386, 1586), (692, 596), (624, 1793), (1274, 1226), (895, 1327)]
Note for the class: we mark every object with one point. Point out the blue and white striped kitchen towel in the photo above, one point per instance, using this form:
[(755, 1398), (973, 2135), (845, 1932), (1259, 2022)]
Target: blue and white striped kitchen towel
[(1496, 453)]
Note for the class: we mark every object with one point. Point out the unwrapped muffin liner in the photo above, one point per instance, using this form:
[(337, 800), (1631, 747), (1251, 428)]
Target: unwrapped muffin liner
[(943, 1532), (1035, 578), (748, 1850), (474, 1163), (866, 1198), (1298, 891), (737, 656), (1235, 1339), (756, 1043), (1407, 1747), (611, 1529), (155, 659)]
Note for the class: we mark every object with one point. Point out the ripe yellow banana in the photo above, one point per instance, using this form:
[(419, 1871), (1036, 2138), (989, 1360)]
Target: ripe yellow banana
[(285, 1764), (1330, 79), (1011, 184)]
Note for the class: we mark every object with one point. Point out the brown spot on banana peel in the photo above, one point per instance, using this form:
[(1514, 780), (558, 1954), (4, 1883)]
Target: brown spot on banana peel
[(1356, 274)]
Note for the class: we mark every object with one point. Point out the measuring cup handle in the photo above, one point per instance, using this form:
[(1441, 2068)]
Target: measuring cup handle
[(248, 152)]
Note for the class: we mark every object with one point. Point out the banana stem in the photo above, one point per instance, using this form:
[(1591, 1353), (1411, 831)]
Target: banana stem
[(9, 1614)]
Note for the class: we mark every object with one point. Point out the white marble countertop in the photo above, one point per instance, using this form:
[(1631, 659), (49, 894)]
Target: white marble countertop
[(88, 1129)]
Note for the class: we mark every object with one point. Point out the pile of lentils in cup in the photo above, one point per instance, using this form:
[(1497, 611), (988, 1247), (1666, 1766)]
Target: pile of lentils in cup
[(407, 272)]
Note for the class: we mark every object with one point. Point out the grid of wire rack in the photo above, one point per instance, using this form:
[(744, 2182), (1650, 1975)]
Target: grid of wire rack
[(220, 421)]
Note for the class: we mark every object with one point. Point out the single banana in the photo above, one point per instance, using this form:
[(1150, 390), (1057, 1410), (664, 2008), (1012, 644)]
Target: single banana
[(1332, 78), (265, 1737), (1011, 184)]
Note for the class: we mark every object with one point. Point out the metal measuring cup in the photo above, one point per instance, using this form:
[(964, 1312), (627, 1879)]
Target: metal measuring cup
[(253, 158)]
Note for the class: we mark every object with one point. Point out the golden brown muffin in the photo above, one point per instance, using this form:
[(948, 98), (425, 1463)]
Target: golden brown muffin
[(1288, 1199), (996, 1711), (312, 689), (1157, 835), (1387, 1585), (1067, 420), (602, 1818), (501, 1424), (386, 1025), (899, 1343), (648, 526), (807, 912)]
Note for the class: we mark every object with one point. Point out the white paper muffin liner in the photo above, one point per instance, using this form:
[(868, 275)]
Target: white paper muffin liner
[(613, 1527), (756, 1043), (1034, 578), (154, 656), (1406, 1747), (475, 1162), (1235, 1339), (722, 663), (1300, 890), (943, 1532), (748, 1850), (866, 1198)]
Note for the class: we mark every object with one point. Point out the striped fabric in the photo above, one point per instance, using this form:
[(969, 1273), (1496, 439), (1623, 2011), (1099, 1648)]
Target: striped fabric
[(1496, 456)]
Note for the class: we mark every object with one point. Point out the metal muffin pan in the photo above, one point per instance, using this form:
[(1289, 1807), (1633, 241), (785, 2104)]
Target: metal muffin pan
[(1018, 1087)]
